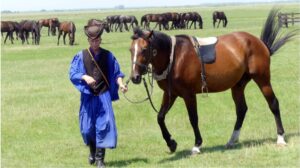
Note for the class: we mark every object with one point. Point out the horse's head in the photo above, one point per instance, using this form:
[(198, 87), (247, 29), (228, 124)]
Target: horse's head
[(54, 24), (141, 54)]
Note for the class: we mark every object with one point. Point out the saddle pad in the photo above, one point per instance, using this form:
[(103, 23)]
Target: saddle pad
[(207, 49), (207, 40)]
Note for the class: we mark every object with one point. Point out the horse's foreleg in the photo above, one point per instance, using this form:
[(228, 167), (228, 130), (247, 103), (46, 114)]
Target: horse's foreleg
[(167, 103), (191, 105), (219, 23), (126, 26), (6, 37), (59, 34), (26, 37), (241, 108), (265, 86), (64, 38)]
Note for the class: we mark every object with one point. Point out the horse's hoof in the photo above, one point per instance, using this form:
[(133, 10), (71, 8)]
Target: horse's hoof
[(281, 141), (229, 145), (195, 151), (172, 145)]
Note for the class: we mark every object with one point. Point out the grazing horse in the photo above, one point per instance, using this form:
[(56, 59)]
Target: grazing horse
[(194, 17), (67, 28), (27, 26), (7, 26), (160, 20), (240, 57), (127, 19), (51, 23), (219, 15)]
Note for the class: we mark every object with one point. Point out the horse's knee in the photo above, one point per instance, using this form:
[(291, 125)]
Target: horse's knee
[(160, 118)]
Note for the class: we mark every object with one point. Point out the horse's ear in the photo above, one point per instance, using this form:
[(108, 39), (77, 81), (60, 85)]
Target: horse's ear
[(149, 35)]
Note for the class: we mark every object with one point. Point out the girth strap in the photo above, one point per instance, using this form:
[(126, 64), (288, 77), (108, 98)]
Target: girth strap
[(203, 72)]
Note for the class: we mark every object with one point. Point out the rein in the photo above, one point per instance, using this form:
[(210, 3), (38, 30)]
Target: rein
[(149, 94)]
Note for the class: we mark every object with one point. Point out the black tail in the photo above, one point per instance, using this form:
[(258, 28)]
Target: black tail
[(269, 34)]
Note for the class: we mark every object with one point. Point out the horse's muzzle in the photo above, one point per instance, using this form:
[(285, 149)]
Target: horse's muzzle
[(136, 79)]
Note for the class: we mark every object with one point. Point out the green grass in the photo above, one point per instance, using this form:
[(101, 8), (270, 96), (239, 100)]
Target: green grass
[(39, 105)]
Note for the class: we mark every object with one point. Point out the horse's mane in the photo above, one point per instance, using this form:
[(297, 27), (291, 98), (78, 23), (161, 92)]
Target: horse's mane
[(158, 39)]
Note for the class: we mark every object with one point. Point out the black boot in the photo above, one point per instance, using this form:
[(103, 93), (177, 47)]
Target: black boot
[(92, 153), (100, 154)]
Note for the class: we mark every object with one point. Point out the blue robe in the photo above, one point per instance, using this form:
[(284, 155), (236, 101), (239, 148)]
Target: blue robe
[(96, 116)]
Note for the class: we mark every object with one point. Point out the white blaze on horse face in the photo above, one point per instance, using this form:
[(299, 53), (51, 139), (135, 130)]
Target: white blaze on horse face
[(135, 55)]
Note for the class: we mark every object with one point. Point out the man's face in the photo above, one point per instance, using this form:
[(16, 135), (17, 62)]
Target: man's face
[(94, 43)]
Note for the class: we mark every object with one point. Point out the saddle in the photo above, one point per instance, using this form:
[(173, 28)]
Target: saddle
[(205, 49)]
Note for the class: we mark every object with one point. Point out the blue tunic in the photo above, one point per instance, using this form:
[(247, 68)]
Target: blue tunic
[(96, 116)]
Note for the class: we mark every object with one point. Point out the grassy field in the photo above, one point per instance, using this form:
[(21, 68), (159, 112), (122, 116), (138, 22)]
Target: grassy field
[(39, 105)]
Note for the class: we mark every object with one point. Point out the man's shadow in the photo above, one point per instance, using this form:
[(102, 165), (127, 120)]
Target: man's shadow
[(221, 148)]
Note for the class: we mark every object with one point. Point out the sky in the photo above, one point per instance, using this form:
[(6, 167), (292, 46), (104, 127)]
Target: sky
[(37, 5)]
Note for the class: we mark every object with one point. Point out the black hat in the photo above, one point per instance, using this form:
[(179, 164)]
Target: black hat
[(93, 32)]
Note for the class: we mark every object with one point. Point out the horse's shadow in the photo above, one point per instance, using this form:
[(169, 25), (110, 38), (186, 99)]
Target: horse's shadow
[(123, 163), (221, 148)]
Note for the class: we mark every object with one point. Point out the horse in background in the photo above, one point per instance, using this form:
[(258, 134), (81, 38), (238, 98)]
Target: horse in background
[(240, 57), (51, 23), (8, 27), (127, 19), (174, 18), (194, 17), (27, 26), (67, 28), (159, 19), (219, 15)]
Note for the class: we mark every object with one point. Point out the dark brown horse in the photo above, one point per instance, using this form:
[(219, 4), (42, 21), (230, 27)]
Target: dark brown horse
[(240, 57), (30, 26), (8, 27), (159, 19), (219, 15), (194, 17), (131, 20), (67, 28)]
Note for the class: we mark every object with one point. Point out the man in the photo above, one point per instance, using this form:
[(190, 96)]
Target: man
[(96, 73)]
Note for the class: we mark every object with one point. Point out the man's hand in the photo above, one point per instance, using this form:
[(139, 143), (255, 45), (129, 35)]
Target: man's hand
[(123, 88), (89, 80)]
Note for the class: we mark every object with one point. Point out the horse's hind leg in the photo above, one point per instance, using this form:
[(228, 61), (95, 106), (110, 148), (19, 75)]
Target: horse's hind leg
[(191, 105), (265, 86), (241, 108), (166, 105)]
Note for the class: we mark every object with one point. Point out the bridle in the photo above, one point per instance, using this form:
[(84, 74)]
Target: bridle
[(146, 69)]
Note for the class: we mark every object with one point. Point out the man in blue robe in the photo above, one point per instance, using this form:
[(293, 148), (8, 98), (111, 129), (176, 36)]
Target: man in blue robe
[(96, 73)]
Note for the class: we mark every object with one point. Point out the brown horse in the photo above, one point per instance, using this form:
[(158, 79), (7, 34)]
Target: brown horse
[(67, 28), (219, 15), (240, 57), (51, 23), (7, 26)]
